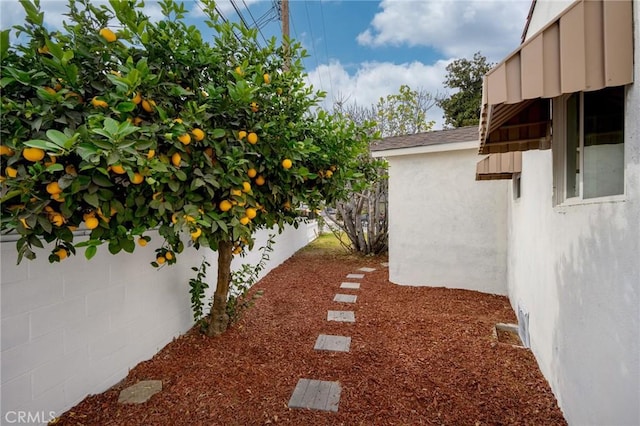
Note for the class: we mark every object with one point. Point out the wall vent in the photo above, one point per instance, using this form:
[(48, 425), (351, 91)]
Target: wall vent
[(523, 326)]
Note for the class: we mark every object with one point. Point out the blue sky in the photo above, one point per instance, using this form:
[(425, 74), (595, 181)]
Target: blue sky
[(362, 50)]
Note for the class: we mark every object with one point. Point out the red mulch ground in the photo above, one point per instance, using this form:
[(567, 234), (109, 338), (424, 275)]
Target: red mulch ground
[(419, 356)]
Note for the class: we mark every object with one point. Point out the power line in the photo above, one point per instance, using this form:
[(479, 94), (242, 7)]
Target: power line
[(235, 7), (254, 21), (313, 45), (326, 51)]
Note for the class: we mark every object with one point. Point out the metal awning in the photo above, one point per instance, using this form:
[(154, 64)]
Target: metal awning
[(499, 166), (588, 47)]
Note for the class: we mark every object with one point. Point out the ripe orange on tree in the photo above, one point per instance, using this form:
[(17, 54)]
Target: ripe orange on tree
[(33, 154), (53, 188), (118, 169), (5, 150), (61, 253), (137, 178), (91, 222), (251, 212), (176, 158), (148, 105), (198, 134), (252, 138), (11, 172), (108, 35), (98, 103), (185, 139)]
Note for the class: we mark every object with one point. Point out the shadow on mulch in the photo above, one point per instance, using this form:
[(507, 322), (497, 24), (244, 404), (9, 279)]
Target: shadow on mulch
[(419, 356)]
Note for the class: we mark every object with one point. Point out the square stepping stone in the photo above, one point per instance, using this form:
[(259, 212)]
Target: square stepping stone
[(366, 269), (356, 276), (326, 342), (353, 286), (385, 264), (345, 298), (341, 316), (316, 395), (140, 392)]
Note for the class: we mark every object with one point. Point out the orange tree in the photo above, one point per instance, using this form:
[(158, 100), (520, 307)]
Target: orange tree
[(119, 125)]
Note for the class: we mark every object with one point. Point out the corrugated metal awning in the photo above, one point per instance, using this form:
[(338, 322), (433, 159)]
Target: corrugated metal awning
[(588, 47), (499, 166)]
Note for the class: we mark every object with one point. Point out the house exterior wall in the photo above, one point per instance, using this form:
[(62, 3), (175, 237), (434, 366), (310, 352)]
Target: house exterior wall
[(576, 271), (445, 228), (545, 11), (77, 327)]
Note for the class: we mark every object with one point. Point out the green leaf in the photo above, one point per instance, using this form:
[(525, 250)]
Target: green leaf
[(218, 133), (35, 241), (127, 245), (38, 143), (46, 225), (126, 106), (57, 137), (56, 167), (110, 126), (114, 247), (91, 199), (90, 252), (101, 180), (67, 56), (4, 44), (5, 81)]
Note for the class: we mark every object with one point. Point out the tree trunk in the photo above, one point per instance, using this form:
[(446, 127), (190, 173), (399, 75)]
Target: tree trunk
[(218, 318)]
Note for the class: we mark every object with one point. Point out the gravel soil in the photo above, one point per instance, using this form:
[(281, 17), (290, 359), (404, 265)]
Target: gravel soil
[(419, 356)]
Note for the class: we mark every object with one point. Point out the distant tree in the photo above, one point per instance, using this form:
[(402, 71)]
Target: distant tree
[(362, 212), (462, 108)]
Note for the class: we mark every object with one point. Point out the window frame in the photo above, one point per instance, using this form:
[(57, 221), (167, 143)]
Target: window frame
[(559, 144)]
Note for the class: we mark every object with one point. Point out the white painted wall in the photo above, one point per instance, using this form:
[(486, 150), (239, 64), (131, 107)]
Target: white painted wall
[(576, 270), (445, 228), (545, 11), (77, 327)]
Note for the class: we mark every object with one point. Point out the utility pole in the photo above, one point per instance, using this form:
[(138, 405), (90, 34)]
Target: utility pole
[(284, 13)]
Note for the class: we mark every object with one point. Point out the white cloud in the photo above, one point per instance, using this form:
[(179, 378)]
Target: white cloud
[(12, 12), (374, 80), (455, 28), (225, 7)]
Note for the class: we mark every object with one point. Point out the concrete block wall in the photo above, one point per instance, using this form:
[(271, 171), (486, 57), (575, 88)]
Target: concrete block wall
[(75, 328)]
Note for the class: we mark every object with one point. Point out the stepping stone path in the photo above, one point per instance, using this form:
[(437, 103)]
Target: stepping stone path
[(345, 298), (316, 395), (352, 286), (332, 343), (140, 392), (323, 395), (341, 316)]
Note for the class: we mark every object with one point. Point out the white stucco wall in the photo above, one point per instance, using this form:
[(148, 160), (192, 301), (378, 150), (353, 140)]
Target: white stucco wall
[(76, 328), (445, 228), (545, 11), (576, 270)]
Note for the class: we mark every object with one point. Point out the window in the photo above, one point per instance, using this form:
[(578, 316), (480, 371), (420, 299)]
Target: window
[(517, 191), (589, 151)]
